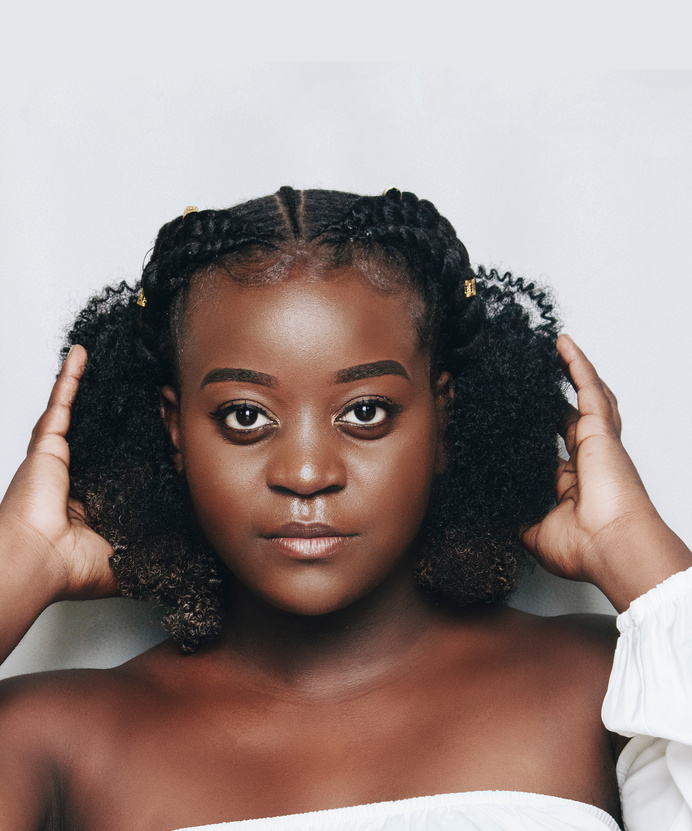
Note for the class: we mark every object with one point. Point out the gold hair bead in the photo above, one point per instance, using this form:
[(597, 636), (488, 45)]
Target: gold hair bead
[(191, 209), (385, 192), (470, 288), (141, 299)]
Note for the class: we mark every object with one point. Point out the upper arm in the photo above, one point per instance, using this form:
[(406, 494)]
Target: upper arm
[(29, 776)]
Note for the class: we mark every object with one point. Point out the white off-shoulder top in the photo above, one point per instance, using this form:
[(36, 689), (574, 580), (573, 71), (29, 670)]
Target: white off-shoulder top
[(649, 698)]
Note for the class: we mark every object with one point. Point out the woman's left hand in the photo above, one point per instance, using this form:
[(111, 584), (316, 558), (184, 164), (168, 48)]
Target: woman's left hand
[(604, 529)]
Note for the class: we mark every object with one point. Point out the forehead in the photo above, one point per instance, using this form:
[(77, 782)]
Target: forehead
[(308, 322)]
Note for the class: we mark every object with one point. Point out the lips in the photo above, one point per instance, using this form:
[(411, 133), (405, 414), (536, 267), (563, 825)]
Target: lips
[(308, 541), (306, 531)]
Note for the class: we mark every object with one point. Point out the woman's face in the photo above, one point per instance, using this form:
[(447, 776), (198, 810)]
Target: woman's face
[(308, 433)]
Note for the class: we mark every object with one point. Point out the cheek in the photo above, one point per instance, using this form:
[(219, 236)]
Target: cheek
[(224, 484), (394, 483)]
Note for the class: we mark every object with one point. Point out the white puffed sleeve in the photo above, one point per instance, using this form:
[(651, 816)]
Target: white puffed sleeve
[(650, 697)]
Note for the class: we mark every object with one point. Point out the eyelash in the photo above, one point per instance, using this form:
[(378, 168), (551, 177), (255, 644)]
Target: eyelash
[(390, 408), (225, 411)]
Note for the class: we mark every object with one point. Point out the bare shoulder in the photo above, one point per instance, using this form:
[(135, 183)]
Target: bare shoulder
[(592, 634), (573, 655), (576, 640), (536, 685), (49, 722), (37, 715), (28, 786), (41, 709), (569, 655), (564, 661), (47, 695)]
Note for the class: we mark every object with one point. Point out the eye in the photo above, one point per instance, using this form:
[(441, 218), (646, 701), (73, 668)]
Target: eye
[(364, 413), (368, 413), (243, 418)]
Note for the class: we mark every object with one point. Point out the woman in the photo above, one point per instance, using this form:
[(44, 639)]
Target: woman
[(318, 436)]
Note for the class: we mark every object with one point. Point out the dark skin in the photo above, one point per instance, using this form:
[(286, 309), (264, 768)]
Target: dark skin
[(336, 681)]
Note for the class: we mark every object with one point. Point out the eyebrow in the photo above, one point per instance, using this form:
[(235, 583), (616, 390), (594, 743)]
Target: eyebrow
[(244, 376), (344, 376), (371, 370)]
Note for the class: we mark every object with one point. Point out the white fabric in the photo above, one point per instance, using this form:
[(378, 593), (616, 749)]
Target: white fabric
[(649, 697), (471, 811)]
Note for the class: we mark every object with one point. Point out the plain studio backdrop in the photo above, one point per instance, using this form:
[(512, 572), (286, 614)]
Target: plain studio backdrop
[(583, 182)]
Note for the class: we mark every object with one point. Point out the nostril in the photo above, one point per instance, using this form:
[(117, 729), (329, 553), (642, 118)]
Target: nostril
[(305, 494)]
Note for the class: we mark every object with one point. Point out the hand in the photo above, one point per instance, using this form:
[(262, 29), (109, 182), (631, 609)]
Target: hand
[(38, 520), (604, 524)]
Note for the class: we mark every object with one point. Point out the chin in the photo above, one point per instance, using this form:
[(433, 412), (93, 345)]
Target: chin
[(312, 606), (307, 599)]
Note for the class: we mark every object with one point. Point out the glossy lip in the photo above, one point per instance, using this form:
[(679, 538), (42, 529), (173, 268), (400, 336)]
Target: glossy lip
[(308, 541), (306, 530)]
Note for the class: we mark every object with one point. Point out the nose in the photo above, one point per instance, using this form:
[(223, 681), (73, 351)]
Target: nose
[(307, 462)]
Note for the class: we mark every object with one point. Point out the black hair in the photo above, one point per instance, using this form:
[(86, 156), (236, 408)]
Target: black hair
[(498, 345)]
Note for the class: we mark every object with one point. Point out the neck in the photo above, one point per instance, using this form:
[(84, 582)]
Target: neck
[(356, 646)]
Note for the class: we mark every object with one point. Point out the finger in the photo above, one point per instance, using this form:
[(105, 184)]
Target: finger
[(75, 510), (614, 407), (55, 420), (561, 465), (566, 481), (592, 399), (572, 492), (568, 428)]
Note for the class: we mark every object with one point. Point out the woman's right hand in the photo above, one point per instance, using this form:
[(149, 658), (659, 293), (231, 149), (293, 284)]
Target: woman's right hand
[(41, 527)]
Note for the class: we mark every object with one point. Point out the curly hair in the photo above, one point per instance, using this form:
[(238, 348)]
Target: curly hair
[(498, 346)]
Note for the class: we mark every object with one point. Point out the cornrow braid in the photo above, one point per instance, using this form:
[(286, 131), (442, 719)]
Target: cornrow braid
[(291, 201), (498, 347)]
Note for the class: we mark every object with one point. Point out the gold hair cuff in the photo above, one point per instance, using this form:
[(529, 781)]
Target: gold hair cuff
[(191, 209), (385, 192), (141, 299), (470, 288)]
